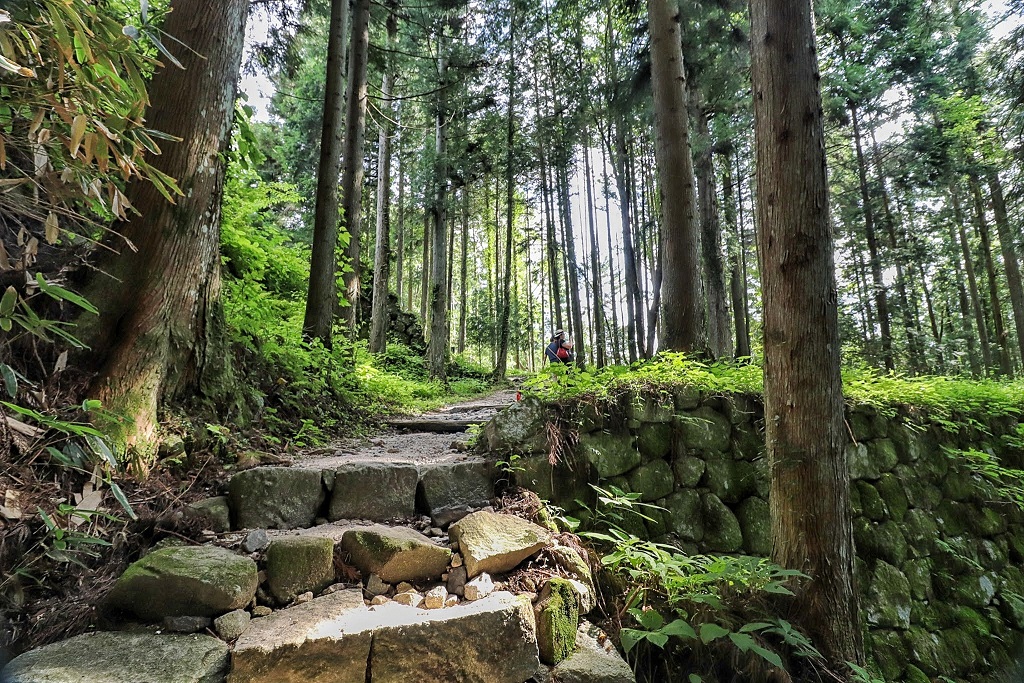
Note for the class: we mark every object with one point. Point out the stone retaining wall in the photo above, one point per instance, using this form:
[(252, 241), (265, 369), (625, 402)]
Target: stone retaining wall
[(939, 550)]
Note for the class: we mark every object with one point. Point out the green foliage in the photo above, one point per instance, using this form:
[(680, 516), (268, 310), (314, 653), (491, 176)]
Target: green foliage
[(1007, 481)]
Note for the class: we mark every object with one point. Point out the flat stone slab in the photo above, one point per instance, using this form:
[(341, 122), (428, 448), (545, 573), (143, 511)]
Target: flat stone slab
[(449, 487), (395, 554), (123, 658), (326, 640), (495, 543), (372, 490), (203, 581), (296, 564), (276, 497), (488, 641)]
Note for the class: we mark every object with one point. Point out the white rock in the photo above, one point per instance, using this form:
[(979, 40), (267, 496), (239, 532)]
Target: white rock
[(451, 601), (380, 600), (435, 597), (410, 598), (478, 588)]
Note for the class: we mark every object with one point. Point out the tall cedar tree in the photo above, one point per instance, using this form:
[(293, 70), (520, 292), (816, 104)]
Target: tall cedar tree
[(810, 484), (161, 332)]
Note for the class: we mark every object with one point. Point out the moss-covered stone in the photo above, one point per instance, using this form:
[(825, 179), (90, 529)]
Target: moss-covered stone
[(924, 648), (952, 517), (893, 495), (656, 524), (276, 497), (609, 454), (722, 531), (959, 652), (214, 513), (688, 470), (519, 428), (920, 530), (860, 424), (756, 525), (686, 397), (888, 603), (984, 521), (747, 442), (994, 554), (652, 481), (856, 508), (959, 485), (298, 564), (970, 590), (920, 492), (684, 515), (654, 441), (730, 480), (914, 675), (705, 429), (558, 616), (888, 653), (919, 576), (1011, 607), (870, 501), (883, 452), (972, 620), (860, 462), (588, 417), (200, 581), (396, 554), (891, 546), (646, 407)]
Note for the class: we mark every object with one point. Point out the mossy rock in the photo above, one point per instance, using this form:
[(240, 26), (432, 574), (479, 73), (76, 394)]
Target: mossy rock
[(519, 428), (741, 409), (919, 491), (870, 501), (705, 429), (656, 522), (688, 470), (890, 544), (914, 675), (959, 485), (924, 648), (952, 517), (984, 521), (684, 515), (215, 513), (893, 495), (888, 653), (921, 531), (972, 620), (860, 463), (654, 441), (395, 554), (686, 397), (888, 603), (747, 442), (201, 581), (959, 652), (919, 576), (856, 508), (883, 452), (860, 424), (652, 481), (994, 554), (648, 408), (730, 480), (970, 590), (558, 617), (276, 497), (755, 522), (1011, 607), (298, 564), (722, 531), (609, 454)]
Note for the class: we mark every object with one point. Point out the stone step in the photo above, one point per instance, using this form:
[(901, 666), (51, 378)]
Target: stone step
[(434, 425), (376, 490)]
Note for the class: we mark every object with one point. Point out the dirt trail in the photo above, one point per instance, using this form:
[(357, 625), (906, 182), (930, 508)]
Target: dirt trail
[(437, 436)]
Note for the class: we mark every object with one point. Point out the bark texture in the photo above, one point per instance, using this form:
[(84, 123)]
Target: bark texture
[(683, 320), (161, 333), (810, 485)]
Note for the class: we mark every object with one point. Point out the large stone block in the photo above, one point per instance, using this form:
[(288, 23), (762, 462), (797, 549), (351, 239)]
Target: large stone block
[(888, 603), (609, 454), (496, 543), (298, 564), (705, 429), (276, 497), (684, 515), (447, 489), (200, 581), (652, 481), (122, 658), (377, 491), (721, 528), (326, 640), (860, 462), (756, 524), (595, 660), (492, 640), (395, 554), (654, 440), (519, 428), (645, 407)]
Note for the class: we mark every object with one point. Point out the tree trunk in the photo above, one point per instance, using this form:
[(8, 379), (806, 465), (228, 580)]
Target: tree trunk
[(425, 271), (683, 299), (161, 334), (634, 300), (1005, 360), (571, 269), (972, 280), (612, 292), (463, 301), (737, 283), (1010, 263), (400, 246), (382, 252), (322, 295), (810, 484), (355, 138), (506, 299), (595, 261), (437, 349)]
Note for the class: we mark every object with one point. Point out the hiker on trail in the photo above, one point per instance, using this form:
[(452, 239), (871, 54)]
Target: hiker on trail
[(560, 349)]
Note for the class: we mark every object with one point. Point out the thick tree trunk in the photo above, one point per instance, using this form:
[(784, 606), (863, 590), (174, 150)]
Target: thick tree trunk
[(1010, 262), (382, 251), (322, 295), (1005, 360), (161, 333), (682, 299), (810, 484), (437, 349), (355, 138)]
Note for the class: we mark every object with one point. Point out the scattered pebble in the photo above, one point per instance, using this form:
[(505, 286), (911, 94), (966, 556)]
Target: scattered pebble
[(435, 597), (375, 586), (451, 601), (255, 541), (305, 597), (261, 611), (380, 600), (410, 598), (478, 588), (456, 560), (405, 587)]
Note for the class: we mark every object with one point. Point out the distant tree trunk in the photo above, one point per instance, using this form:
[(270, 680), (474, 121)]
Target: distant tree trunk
[(382, 252), (506, 299), (719, 333), (161, 334), (400, 246), (874, 259), (572, 271), (425, 270), (634, 300), (463, 301), (612, 291), (965, 305), (737, 283), (552, 242), (322, 295), (683, 300), (1005, 360), (810, 483), (972, 280), (355, 139), (595, 262), (1011, 264), (437, 349)]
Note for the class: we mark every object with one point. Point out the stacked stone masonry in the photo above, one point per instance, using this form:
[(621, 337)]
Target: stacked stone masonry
[(940, 551)]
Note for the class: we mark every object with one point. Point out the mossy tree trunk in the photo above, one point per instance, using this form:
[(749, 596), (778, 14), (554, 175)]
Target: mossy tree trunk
[(161, 333)]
